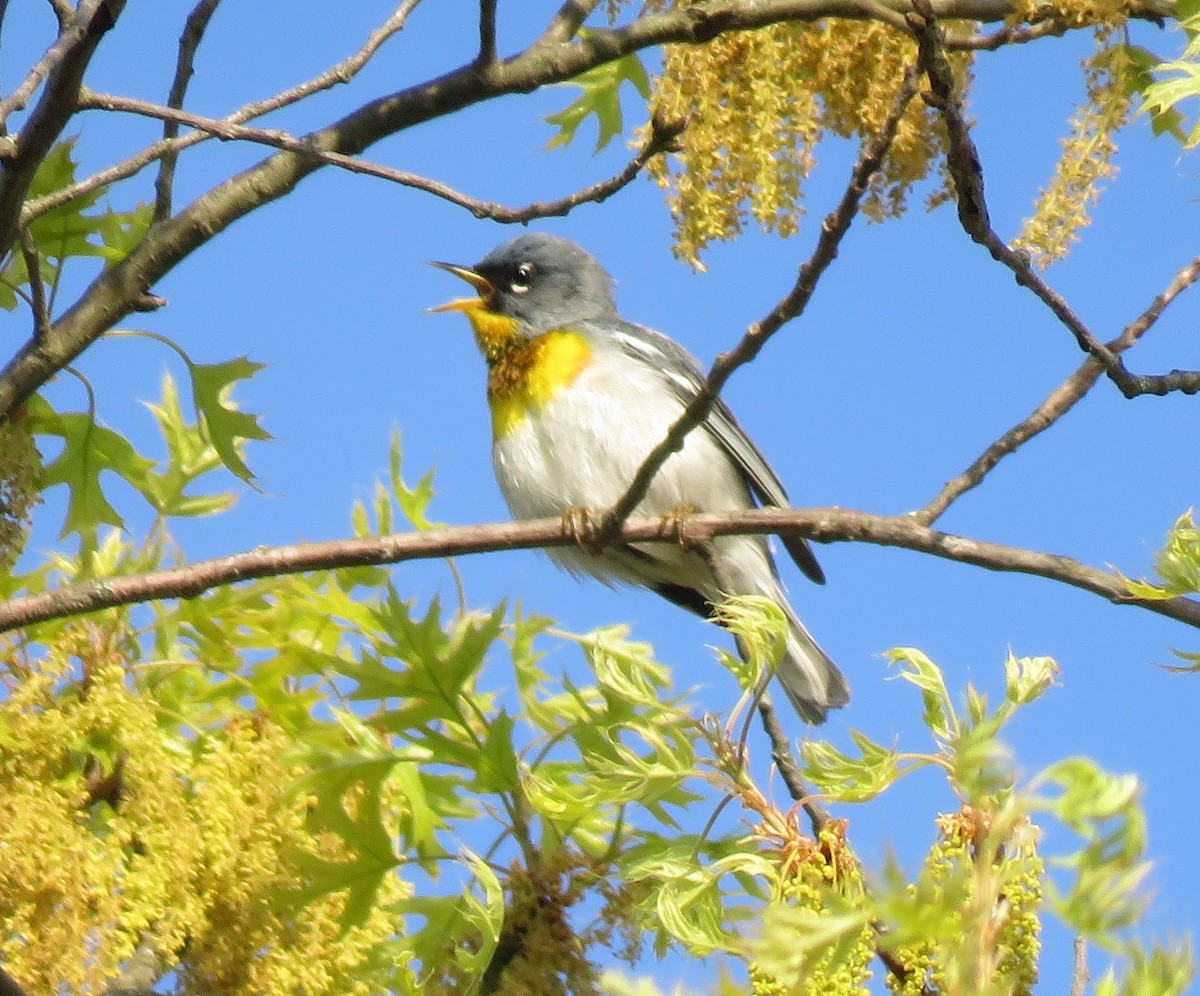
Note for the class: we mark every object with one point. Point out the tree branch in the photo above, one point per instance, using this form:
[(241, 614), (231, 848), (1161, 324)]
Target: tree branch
[(789, 770), (37, 288), (964, 166), (836, 224), (189, 41), (1013, 34), (64, 66), (1080, 976), (487, 31), (341, 73), (1061, 400), (69, 38), (662, 139), (110, 296), (8, 985), (824, 525), (567, 22)]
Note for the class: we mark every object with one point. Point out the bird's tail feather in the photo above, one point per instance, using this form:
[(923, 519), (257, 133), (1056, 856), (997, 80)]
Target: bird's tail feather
[(811, 680)]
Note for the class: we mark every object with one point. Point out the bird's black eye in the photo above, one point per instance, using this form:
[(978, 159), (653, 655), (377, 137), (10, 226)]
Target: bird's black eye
[(522, 278)]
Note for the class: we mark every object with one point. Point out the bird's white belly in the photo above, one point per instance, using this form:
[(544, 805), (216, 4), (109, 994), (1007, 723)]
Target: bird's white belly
[(582, 451), (586, 444)]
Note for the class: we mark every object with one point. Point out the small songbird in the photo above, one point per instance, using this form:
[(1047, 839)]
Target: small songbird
[(579, 397)]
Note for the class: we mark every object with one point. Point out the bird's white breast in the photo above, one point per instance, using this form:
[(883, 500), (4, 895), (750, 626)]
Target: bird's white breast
[(585, 445)]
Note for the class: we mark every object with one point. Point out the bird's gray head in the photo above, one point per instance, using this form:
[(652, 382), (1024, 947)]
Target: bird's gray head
[(543, 281)]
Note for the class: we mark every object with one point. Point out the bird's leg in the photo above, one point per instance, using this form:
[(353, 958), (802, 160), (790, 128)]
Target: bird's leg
[(578, 526), (674, 523)]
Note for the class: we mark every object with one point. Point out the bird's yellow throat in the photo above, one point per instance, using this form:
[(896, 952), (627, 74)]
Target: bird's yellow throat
[(523, 374)]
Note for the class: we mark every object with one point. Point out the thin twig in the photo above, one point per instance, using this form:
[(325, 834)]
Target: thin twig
[(789, 770), (662, 138), (72, 52), (1080, 977), (341, 73), (1012, 34), (193, 33), (836, 224), (67, 40), (487, 31), (1061, 400), (37, 289), (567, 21), (824, 525), (962, 160)]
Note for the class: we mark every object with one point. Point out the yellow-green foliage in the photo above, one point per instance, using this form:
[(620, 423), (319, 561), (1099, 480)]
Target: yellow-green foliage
[(757, 103), (20, 468), (1087, 159), (818, 892), (990, 892), (117, 831)]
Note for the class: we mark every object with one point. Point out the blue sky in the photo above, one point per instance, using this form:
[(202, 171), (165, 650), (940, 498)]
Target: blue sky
[(916, 353)]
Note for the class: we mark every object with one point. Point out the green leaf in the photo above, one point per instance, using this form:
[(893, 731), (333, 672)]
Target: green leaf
[(940, 716), (88, 451), (846, 778), (1026, 678), (795, 939), (1161, 96), (413, 502), (120, 231), (1177, 564), (224, 424), (189, 457), (497, 762), (601, 96)]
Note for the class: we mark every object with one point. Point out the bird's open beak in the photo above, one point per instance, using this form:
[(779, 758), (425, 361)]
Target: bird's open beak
[(476, 280)]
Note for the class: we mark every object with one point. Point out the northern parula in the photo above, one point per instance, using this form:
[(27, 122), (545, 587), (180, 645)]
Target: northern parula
[(579, 397)]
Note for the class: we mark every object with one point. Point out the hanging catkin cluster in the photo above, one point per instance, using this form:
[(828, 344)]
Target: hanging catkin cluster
[(757, 103)]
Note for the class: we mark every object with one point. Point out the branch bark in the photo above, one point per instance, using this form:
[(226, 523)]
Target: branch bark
[(662, 139), (189, 42), (824, 525), (64, 65), (1060, 401), (108, 299), (835, 226), (962, 160)]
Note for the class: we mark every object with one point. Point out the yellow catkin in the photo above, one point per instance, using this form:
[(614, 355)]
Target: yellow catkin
[(20, 468), (809, 873), (1010, 910), (116, 833), (757, 103), (1086, 161)]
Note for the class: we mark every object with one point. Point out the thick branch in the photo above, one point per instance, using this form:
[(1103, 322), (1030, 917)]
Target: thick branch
[(66, 62), (963, 163), (836, 224), (824, 525), (8, 985), (1061, 400), (109, 298)]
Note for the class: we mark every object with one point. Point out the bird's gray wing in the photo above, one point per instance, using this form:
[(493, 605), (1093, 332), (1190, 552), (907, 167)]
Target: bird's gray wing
[(681, 372)]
